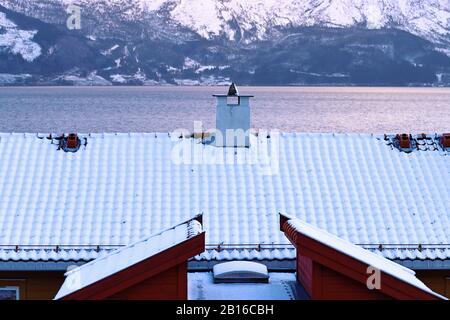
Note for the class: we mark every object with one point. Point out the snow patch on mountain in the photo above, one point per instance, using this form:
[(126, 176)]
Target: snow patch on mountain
[(17, 41), (9, 79), (197, 67), (91, 80), (110, 50)]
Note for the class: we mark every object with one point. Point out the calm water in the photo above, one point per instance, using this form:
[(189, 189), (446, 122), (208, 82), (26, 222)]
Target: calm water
[(149, 109)]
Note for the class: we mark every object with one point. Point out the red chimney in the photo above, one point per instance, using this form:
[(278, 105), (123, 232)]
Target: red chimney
[(72, 141), (445, 140), (404, 140)]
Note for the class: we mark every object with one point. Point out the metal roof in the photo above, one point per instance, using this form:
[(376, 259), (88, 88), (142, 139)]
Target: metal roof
[(58, 206)]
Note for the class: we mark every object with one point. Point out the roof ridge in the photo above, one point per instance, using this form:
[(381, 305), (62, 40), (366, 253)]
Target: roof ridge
[(170, 132)]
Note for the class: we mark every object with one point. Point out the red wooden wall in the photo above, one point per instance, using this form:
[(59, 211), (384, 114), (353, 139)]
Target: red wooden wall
[(162, 276), (326, 273), (168, 285), (330, 285), (322, 283), (305, 272)]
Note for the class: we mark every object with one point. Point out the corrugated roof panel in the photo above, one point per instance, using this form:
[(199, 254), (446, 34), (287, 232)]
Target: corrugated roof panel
[(121, 187)]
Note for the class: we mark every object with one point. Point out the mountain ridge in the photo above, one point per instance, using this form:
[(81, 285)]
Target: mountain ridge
[(216, 41), (429, 19)]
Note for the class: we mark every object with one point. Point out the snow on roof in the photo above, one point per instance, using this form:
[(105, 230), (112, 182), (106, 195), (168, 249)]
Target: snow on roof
[(126, 257), (281, 286), (369, 258), (121, 187)]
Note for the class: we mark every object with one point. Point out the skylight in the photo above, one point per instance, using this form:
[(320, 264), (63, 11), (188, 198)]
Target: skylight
[(240, 272)]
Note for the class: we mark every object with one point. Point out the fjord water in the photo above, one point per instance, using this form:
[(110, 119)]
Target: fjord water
[(166, 108)]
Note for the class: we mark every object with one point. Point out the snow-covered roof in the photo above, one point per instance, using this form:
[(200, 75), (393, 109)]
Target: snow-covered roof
[(369, 258), (281, 286), (125, 257), (121, 187)]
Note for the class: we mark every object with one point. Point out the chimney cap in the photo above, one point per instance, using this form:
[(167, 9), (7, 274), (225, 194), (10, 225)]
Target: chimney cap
[(232, 92)]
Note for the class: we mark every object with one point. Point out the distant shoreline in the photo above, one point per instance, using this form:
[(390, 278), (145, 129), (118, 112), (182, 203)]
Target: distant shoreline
[(225, 85)]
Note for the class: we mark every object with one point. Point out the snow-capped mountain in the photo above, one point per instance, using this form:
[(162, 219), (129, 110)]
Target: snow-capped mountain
[(213, 41), (256, 19)]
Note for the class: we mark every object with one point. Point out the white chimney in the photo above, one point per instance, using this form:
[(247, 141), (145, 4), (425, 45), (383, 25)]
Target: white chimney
[(232, 119)]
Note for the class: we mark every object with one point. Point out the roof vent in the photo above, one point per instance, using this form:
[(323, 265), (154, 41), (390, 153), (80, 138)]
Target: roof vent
[(445, 140), (233, 91), (240, 272), (71, 143), (404, 142)]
